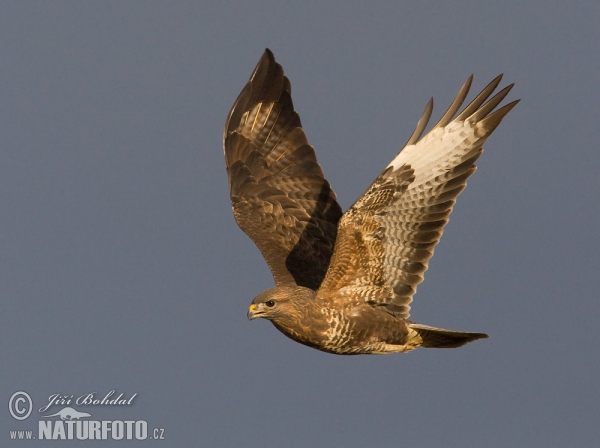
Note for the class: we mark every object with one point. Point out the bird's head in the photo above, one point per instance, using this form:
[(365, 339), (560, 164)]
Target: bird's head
[(279, 303)]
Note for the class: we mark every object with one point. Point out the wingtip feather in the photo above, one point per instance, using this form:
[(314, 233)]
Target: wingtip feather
[(480, 98), (421, 124), (455, 105), (488, 107), (492, 121)]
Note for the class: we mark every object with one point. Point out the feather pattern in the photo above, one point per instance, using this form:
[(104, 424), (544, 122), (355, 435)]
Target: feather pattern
[(279, 194), (384, 245)]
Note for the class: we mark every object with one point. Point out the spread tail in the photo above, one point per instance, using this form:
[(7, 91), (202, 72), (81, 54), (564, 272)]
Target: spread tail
[(439, 338)]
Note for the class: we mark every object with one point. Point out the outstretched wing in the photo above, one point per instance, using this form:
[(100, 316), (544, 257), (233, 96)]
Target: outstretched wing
[(279, 194), (385, 240)]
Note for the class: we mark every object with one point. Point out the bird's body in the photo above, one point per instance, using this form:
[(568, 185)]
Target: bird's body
[(342, 326), (344, 282)]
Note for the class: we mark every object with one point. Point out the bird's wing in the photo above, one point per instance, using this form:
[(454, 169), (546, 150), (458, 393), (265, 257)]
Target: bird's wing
[(279, 194), (385, 240)]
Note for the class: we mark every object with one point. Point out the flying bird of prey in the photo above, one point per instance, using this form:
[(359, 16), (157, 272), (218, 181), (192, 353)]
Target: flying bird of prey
[(344, 281)]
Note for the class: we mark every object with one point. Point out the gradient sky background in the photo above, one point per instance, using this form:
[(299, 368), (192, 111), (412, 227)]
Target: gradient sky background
[(122, 266)]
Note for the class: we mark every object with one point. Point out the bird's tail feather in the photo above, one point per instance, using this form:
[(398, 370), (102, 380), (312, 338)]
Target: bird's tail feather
[(439, 338)]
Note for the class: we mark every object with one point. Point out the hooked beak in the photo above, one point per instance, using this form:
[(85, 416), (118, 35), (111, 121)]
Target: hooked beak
[(254, 313)]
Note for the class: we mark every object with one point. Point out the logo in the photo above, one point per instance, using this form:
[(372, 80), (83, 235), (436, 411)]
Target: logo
[(68, 414), (68, 423)]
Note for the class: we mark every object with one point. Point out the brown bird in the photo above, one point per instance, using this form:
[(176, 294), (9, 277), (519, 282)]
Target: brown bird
[(344, 282)]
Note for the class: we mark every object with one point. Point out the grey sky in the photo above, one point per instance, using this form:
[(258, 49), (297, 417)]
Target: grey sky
[(123, 267)]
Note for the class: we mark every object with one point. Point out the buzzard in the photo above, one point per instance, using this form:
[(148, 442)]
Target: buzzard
[(344, 281)]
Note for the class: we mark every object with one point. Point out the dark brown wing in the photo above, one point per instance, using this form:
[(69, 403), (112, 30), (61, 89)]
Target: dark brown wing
[(385, 240), (279, 194)]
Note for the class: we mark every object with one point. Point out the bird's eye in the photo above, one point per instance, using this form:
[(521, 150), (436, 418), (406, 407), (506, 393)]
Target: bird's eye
[(270, 303)]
